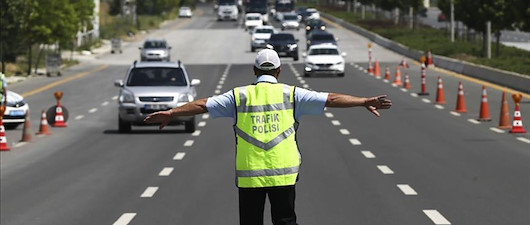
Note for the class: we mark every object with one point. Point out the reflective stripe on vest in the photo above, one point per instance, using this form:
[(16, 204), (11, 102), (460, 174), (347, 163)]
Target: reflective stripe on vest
[(267, 154)]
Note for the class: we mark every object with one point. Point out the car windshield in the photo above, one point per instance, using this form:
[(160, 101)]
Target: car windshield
[(184, 8), (264, 31), (282, 37), (323, 37), (290, 17), (156, 76), (155, 44), (253, 18), (314, 23), (323, 51)]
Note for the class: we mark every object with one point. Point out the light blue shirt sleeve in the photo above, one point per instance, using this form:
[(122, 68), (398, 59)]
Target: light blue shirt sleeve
[(222, 105), (308, 102)]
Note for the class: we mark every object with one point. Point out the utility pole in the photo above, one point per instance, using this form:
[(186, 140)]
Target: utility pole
[(452, 21), (488, 39)]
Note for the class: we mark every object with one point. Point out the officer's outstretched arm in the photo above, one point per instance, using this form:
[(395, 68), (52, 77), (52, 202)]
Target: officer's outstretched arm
[(189, 109), (372, 103)]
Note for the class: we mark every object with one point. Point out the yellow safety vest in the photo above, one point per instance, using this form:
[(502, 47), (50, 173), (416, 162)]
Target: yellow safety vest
[(266, 151)]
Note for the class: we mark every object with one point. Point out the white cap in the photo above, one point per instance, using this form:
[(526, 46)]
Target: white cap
[(267, 56)]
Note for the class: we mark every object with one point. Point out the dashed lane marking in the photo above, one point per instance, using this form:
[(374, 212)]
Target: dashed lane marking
[(149, 192), (525, 140), (497, 130), (201, 124), (473, 121), (385, 169), (329, 115), (354, 141), (368, 154), (302, 81), (179, 156), (19, 144), (79, 117), (125, 219), (221, 82), (414, 95), (455, 113), (344, 131), (406, 189), (436, 217), (166, 172), (114, 97), (188, 143), (305, 86), (104, 103), (93, 110), (219, 86), (217, 92), (439, 106), (196, 133), (335, 122), (404, 89), (205, 116), (426, 100)]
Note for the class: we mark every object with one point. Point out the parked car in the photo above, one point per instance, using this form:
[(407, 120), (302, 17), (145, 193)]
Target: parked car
[(154, 86), (155, 50), (290, 21), (312, 25), (253, 20), (320, 37), (324, 58), (285, 44), (185, 11), (16, 110), (260, 36)]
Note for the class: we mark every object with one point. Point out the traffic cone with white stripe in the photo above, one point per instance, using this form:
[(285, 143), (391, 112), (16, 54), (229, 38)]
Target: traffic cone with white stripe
[(429, 59), (370, 68), (504, 120), (59, 117), (43, 129), (26, 133), (397, 80), (404, 63), (377, 72), (517, 125), (484, 108), (3, 139), (440, 97), (423, 80), (460, 101), (407, 81), (387, 74)]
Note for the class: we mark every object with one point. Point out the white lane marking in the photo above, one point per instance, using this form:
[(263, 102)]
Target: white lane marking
[(494, 129), (222, 82), (368, 154), (149, 192), (302, 81), (201, 124), (474, 121), (104, 103), (299, 78), (439, 106), (217, 91), (196, 133), (414, 95), (79, 117), (455, 113), (166, 172), (305, 86), (188, 143), (385, 169), (525, 140), (219, 86), (345, 131), (335, 122), (406, 189), (426, 100), (179, 156), (386, 81), (114, 97), (92, 110), (404, 90), (436, 217), (205, 116), (329, 115), (125, 219), (355, 65), (222, 78), (19, 144), (361, 68), (354, 141)]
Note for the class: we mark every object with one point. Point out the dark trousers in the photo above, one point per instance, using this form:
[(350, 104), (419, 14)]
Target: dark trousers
[(252, 205)]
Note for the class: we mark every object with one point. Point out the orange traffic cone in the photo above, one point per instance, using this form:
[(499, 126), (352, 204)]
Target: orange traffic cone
[(484, 108), (26, 136), (460, 102), (377, 72), (397, 80), (517, 125), (407, 81), (440, 97), (59, 117), (370, 68), (43, 129), (504, 121), (387, 74), (429, 58), (3, 139), (404, 63)]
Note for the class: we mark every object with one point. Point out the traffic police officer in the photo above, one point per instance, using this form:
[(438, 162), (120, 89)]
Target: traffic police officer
[(266, 117), (3, 84)]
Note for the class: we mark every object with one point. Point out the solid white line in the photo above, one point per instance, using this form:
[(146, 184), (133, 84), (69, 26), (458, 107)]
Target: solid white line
[(79, 117), (455, 113), (179, 156), (149, 192), (525, 140), (166, 172), (426, 100), (188, 143), (385, 169), (205, 116), (92, 110), (474, 121), (201, 124), (406, 189), (439, 106), (329, 115), (345, 131), (414, 95), (104, 103), (494, 129), (125, 219), (368, 154), (354, 141), (114, 97), (196, 133), (436, 217), (335, 122)]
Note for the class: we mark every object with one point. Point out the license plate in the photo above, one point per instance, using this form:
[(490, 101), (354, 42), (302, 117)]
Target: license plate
[(16, 113), (156, 107)]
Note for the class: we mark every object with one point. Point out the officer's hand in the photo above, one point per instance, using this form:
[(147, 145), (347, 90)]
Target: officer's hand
[(378, 102), (162, 117)]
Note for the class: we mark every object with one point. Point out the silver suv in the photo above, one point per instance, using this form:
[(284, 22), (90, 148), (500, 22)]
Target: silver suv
[(154, 86), (155, 50)]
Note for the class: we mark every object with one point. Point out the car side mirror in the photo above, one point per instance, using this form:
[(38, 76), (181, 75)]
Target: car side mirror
[(118, 83), (344, 54), (195, 82)]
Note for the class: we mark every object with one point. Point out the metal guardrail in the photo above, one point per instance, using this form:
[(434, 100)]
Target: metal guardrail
[(508, 79)]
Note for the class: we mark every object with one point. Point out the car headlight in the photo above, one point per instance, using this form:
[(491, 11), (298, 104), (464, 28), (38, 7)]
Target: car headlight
[(307, 27), (322, 27), (292, 46), (185, 98), (126, 97)]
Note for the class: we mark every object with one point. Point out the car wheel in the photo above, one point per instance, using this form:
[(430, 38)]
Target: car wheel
[(123, 126), (189, 126), (341, 74)]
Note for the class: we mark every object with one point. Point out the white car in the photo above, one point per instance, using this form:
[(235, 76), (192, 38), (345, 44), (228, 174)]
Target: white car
[(227, 12), (185, 11), (16, 110), (260, 36), (290, 21), (312, 14), (324, 58), (253, 20)]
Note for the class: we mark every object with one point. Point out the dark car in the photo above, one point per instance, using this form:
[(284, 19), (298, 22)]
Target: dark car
[(320, 37), (285, 44), (313, 25)]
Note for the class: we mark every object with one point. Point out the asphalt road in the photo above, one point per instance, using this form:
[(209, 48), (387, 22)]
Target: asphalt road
[(417, 164)]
